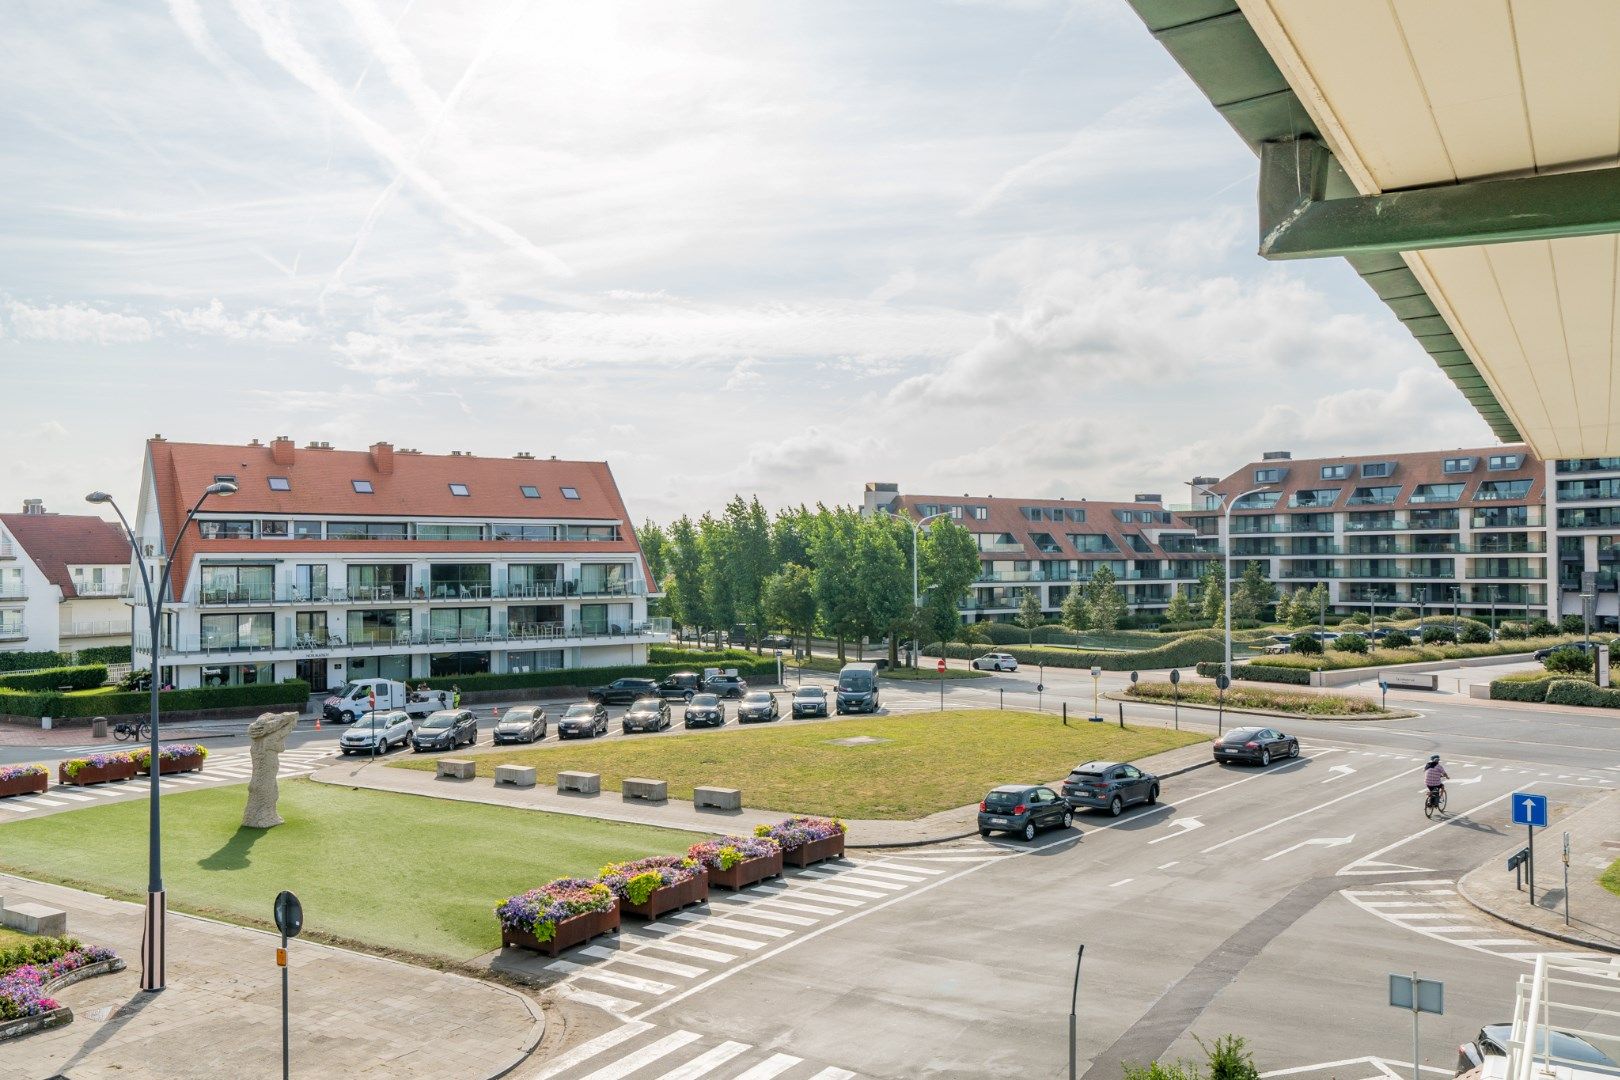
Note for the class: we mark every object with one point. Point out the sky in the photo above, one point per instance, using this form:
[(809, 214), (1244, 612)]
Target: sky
[(777, 248)]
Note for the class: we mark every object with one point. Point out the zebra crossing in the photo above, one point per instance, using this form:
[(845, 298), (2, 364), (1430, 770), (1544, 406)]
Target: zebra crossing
[(1434, 908), (643, 1049), (223, 768)]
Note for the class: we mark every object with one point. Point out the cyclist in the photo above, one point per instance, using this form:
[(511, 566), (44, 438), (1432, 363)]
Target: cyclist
[(1434, 778)]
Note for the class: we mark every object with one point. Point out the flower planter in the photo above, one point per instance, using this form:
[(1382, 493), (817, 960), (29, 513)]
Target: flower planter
[(814, 851), (568, 932), (188, 763), (671, 897), (748, 872), (22, 785), (97, 774)]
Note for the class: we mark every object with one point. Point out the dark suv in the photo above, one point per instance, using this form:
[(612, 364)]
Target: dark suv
[(623, 691), (681, 686), (726, 685), (1109, 785), (705, 709), (1024, 809)]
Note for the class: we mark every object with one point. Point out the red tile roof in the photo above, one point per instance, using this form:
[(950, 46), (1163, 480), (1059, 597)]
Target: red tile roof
[(1411, 470), (1006, 516), (58, 541)]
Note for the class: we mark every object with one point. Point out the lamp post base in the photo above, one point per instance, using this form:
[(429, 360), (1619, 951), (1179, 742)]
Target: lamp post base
[(153, 947)]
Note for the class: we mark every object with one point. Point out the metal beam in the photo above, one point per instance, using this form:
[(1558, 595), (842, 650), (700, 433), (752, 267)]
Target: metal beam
[(1297, 222)]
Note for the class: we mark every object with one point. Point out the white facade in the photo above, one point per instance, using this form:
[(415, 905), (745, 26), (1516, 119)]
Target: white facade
[(36, 616)]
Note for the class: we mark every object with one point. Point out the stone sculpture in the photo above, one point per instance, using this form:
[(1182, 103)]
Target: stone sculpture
[(269, 735)]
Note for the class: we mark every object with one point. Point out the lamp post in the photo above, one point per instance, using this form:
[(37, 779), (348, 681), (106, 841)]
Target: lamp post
[(1226, 512), (916, 531), (152, 941)]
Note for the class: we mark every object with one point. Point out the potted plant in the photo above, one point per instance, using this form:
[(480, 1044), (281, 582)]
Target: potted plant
[(735, 862), (649, 887), (96, 769), (172, 758), (806, 840), (558, 915), (21, 779)]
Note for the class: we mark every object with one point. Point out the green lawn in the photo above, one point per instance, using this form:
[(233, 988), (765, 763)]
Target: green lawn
[(925, 762), (394, 872), (830, 665), (1611, 878), (10, 937)]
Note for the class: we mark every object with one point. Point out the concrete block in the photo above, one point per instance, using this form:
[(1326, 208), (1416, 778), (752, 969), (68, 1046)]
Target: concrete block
[(720, 798), (36, 919), (637, 787), (457, 769), (516, 775), (586, 783)]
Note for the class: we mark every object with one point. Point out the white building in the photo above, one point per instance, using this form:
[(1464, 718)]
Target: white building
[(329, 565), (63, 580)]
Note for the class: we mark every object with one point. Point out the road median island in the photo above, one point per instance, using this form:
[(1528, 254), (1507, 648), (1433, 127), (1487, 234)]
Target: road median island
[(1260, 702)]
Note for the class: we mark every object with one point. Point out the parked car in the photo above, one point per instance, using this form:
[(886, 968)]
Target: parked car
[(446, 730), (809, 701), (1023, 809), (1566, 1049), (705, 710), (622, 691), (1583, 646), (1255, 744), (377, 732), (1109, 785), (588, 718), (776, 641), (857, 689), (758, 705), (681, 686), (726, 685), (996, 661), (648, 714), (354, 699), (521, 724)]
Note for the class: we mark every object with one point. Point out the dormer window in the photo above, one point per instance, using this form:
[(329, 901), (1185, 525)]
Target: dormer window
[(1502, 462), (570, 493), (459, 491), (361, 487), (225, 478), (1268, 476), (1377, 469), (529, 491), (1335, 472), (279, 483)]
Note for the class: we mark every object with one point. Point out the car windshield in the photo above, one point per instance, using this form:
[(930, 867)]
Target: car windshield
[(348, 690), (1242, 734), (371, 720), (1564, 1045), (579, 710), (758, 697), (644, 707), (517, 716), (857, 682), (1003, 800), (811, 691), (439, 720), (704, 701)]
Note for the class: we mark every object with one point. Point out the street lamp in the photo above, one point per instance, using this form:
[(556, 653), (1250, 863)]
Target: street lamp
[(916, 531), (1226, 512), (152, 941)]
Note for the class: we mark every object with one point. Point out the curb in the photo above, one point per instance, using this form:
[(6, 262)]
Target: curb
[(1395, 714), (1567, 939), (538, 1032)]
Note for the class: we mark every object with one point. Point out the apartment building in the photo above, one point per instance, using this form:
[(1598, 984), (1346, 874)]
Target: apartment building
[(329, 565), (63, 580), (1476, 531)]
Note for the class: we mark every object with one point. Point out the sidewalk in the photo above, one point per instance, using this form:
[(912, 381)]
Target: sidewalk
[(352, 1014), (1594, 843), (953, 824)]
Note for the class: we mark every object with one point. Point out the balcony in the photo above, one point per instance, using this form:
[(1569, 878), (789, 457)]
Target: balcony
[(13, 632), (1510, 574), (571, 589), (522, 635), (95, 628), (1431, 520), (1302, 574), (1585, 465), (1376, 525), (10, 593)]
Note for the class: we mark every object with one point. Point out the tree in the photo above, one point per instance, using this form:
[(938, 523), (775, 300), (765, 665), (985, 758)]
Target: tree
[(790, 537), (1180, 609), (1257, 593), (1304, 606), (745, 547), (883, 570), (683, 581), (833, 544), (1568, 660), (1105, 603), (1029, 612), (653, 544), (1284, 608), (1074, 612), (718, 600), (790, 600), (938, 620), (1307, 644), (947, 567), (1212, 586), (1351, 643)]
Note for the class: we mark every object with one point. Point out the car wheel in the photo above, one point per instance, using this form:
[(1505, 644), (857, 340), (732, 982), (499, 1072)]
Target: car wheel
[(984, 832), (1265, 758), (1115, 806), (687, 697), (1293, 751), (1029, 831), (1153, 795), (345, 752), (348, 716), (1068, 819)]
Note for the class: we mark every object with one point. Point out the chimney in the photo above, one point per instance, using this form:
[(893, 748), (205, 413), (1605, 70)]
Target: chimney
[(1277, 455), (382, 457), (33, 506), (524, 455), (281, 450)]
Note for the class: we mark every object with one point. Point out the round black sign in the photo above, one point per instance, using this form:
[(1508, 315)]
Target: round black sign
[(1175, 675), (289, 914), (1133, 676), (1222, 682), (1040, 688)]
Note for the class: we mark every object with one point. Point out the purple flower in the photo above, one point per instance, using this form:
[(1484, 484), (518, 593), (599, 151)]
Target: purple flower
[(21, 989), (17, 772), (727, 851), (796, 831), (538, 911)]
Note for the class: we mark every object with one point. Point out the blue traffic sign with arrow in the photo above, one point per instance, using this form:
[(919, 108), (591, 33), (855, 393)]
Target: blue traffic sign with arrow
[(1529, 809)]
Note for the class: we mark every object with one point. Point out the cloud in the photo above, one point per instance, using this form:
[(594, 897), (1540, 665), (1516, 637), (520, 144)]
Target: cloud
[(745, 374), (256, 325), (1417, 403), (75, 323)]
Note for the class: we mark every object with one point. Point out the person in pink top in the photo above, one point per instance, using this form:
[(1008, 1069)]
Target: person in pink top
[(1435, 776)]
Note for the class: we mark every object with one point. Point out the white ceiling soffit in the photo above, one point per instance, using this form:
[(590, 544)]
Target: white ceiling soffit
[(1414, 93)]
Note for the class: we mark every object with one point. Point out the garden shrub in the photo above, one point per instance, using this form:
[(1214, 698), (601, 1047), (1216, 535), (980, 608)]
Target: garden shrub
[(1512, 631), (1571, 624), (1396, 639), (1306, 645), (83, 677), (104, 654), (753, 668), (1439, 635), (1352, 643), (1473, 633), (1184, 651), (1404, 614), (1158, 1070), (1541, 628), (1253, 697), (1525, 686), (292, 693), (1256, 671), (1229, 1059), (31, 661), (1581, 692), (1569, 661)]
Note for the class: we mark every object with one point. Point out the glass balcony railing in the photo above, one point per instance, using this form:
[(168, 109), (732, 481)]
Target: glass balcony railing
[(373, 639), (375, 594), (1388, 524)]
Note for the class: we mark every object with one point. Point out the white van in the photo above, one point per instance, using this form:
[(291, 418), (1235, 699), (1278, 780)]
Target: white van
[(355, 700)]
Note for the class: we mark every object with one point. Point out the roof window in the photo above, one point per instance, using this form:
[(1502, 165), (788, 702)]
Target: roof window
[(280, 483), (529, 491), (570, 493), (459, 490), (361, 487)]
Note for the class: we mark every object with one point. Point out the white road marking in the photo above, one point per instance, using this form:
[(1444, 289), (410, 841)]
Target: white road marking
[(758, 911), (15, 807), (586, 1051), (668, 967), (1169, 864), (1339, 772), (645, 1056), (823, 887), (833, 1074), (794, 905), (812, 893), (1404, 774), (1186, 825), (722, 939), (706, 1062), (870, 871), (1121, 881), (773, 1066), (858, 878), (1318, 841), (1366, 860), (692, 951)]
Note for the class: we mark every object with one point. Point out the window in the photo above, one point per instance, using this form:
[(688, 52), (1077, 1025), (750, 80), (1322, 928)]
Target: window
[(524, 532), (307, 530), (955, 511), (1435, 493), (1032, 513), (1314, 497), (380, 627), (273, 530), (1126, 516), (1374, 496), (570, 493), (981, 513), (459, 490), (225, 530), (529, 491), (1045, 542), (449, 532), (1335, 472), (443, 665), (238, 631), (460, 580), (379, 581), (1495, 490), (1372, 469), (280, 483), (458, 623), (534, 660), (1454, 465), (1258, 500), (1501, 462), (1092, 542), (225, 478), (1267, 476), (591, 532), (361, 487), (367, 530)]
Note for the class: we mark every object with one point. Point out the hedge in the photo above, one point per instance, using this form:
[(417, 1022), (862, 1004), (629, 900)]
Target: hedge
[(1182, 652), (84, 677), (1581, 692), (1526, 686), (105, 654), (1380, 657), (702, 658), (30, 661), (1250, 698), (1259, 673), (591, 676), (291, 693)]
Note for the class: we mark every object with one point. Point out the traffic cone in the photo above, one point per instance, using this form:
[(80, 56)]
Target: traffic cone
[(317, 721)]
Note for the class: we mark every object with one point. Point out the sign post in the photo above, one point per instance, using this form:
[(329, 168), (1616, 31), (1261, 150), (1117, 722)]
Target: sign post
[(1096, 674), (1074, 1005), (290, 921), (1040, 689), (1221, 683), (1175, 682), (1530, 810), (1420, 996), (941, 668), (1602, 665), (778, 667), (1566, 877), (1383, 690)]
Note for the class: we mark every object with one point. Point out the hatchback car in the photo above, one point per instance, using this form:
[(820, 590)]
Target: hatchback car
[(726, 685), (1024, 809), (809, 701), (1109, 785), (446, 730), (521, 724), (758, 705), (588, 718), (622, 691), (705, 710), (377, 732), (1583, 646), (1255, 744), (996, 661), (648, 714)]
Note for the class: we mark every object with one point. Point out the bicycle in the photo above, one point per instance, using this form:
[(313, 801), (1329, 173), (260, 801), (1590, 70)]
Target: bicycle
[(123, 731), (1434, 801)]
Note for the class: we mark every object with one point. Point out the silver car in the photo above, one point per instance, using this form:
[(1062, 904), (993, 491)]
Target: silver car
[(521, 724), (377, 733)]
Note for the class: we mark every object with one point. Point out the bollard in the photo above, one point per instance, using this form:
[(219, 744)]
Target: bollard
[(1003, 694), (1121, 716), (1065, 714)]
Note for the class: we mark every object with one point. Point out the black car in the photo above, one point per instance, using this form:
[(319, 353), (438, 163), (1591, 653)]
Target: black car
[(705, 710), (648, 714), (1583, 646), (758, 705), (445, 730), (1109, 785), (809, 701), (1024, 809), (623, 691), (681, 686), (589, 719), (726, 685), (1567, 1049), (521, 724), (1257, 744)]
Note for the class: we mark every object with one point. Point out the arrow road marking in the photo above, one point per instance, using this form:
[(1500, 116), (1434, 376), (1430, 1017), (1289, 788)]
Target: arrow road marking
[(1323, 841), (1339, 773), (1186, 825), (1459, 783)]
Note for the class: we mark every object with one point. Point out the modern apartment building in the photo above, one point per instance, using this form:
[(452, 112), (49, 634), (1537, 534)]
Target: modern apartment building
[(62, 581), (1469, 530), (329, 565)]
